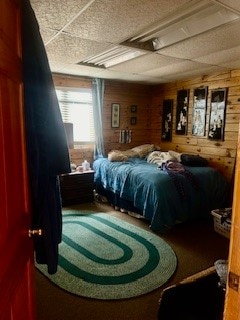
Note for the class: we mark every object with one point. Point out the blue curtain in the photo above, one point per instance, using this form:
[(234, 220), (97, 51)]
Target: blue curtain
[(98, 93)]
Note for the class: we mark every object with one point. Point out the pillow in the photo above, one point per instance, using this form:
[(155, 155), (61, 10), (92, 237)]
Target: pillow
[(118, 155), (144, 149), (130, 153), (193, 160), (159, 157), (176, 155)]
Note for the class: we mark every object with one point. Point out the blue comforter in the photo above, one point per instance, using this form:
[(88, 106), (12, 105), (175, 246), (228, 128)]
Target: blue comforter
[(155, 193)]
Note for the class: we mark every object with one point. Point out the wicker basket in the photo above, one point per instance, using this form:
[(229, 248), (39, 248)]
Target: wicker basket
[(222, 227)]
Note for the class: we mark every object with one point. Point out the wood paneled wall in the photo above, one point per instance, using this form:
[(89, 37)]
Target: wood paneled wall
[(127, 94), (149, 100), (221, 154)]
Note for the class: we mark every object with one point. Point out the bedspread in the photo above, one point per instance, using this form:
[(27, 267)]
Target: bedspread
[(154, 192)]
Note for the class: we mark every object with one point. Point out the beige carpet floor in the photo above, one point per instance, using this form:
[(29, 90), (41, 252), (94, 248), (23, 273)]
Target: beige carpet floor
[(196, 245)]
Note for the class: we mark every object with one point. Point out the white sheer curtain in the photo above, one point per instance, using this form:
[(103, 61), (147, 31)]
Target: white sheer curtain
[(98, 94)]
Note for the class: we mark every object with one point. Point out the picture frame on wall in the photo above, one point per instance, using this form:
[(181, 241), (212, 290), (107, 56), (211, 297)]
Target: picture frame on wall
[(133, 120), (182, 112), (115, 119), (133, 108), (199, 111), (167, 111), (217, 114)]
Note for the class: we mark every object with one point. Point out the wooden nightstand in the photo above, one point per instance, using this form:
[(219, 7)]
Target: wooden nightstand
[(77, 187)]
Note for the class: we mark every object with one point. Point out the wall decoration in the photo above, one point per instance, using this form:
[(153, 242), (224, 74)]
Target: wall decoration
[(115, 115), (199, 111), (167, 120), (133, 120), (217, 114), (125, 136), (182, 111), (133, 108)]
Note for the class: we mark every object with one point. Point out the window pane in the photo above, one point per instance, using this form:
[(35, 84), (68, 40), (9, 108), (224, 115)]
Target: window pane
[(76, 107)]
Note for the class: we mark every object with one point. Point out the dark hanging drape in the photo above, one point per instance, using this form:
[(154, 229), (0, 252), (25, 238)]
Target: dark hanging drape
[(47, 149)]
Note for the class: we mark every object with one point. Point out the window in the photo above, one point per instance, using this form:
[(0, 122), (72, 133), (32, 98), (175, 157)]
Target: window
[(76, 107)]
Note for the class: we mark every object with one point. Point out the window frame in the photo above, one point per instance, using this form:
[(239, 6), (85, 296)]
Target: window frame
[(61, 101)]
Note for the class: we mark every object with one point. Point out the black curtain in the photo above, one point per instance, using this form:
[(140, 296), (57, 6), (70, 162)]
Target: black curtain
[(47, 148)]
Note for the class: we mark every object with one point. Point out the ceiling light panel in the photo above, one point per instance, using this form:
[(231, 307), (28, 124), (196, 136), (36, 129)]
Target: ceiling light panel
[(113, 56), (205, 20), (190, 20)]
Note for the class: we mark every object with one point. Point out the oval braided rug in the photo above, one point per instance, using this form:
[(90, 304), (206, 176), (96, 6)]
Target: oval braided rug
[(103, 257)]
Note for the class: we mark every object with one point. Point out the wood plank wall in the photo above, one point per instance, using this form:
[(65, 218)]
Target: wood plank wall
[(127, 94), (221, 154), (149, 100)]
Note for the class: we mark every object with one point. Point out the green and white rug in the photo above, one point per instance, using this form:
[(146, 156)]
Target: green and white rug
[(103, 257)]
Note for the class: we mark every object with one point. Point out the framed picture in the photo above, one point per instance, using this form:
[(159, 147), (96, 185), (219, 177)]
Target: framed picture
[(182, 111), (134, 108), (167, 120), (115, 115), (199, 111), (133, 120), (217, 114)]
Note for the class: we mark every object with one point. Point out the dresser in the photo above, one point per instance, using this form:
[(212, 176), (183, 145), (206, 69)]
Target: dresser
[(77, 187)]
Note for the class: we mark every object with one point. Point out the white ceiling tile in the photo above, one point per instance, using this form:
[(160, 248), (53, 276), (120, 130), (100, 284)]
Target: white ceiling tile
[(175, 68), (133, 77), (47, 34), (234, 4), (194, 73), (114, 20), (65, 68), (234, 64), (221, 58), (55, 14), (206, 43), (144, 63), (73, 49)]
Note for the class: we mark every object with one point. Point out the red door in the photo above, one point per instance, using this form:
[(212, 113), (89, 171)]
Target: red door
[(16, 248)]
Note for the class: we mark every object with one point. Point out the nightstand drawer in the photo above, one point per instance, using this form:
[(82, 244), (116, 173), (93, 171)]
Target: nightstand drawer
[(77, 187)]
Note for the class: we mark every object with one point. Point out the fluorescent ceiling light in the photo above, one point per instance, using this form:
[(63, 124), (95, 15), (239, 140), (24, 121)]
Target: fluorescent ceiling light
[(194, 25), (192, 19), (131, 54), (114, 56)]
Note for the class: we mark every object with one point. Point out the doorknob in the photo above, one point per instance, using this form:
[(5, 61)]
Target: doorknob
[(35, 232)]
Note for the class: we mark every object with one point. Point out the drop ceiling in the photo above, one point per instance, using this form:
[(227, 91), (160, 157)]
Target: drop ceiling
[(165, 41)]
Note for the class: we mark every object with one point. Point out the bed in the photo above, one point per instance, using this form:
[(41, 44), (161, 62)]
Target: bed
[(135, 185)]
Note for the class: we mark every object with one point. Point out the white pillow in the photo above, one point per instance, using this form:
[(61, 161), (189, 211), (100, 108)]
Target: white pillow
[(175, 155), (159, 157)]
